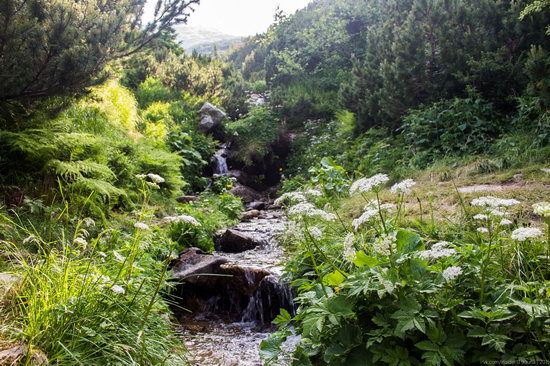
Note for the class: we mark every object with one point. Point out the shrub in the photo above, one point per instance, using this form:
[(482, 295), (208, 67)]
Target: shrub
[(452, 127)]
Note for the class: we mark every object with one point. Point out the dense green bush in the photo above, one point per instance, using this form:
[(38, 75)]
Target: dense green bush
[(253, 135), (454, 127)]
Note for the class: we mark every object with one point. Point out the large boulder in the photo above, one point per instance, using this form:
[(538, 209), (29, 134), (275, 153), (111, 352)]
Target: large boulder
[(211, 117), (196, 267), (233, 241), (245, 193)]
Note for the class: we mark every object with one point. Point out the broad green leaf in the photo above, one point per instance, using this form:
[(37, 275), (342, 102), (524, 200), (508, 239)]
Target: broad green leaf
[(363, 260), (408, 241), (334, 279)]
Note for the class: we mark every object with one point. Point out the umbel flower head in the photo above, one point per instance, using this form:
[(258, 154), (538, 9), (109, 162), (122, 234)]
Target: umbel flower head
[(309, 210), (452, 273), (526, 233), (542, 209), (141, 226), (494, 202), (365, 185), (364, 218), (403, 187), (156, 178)]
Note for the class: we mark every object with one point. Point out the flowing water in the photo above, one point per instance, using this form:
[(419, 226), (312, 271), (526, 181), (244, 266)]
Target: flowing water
[(214, 340), (220, 160)]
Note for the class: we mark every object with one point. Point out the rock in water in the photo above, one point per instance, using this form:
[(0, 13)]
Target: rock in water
[(195, 267), (211, 117), (245, 193), (233, 241)]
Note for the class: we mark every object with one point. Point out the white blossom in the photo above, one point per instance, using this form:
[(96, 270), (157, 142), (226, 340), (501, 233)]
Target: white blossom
[(481, 217), (316, 233), (349, 248), (494, 202), (156, 178), (452, 272), (88, 222), (313, 193), (182, 218), (497, 212), (141, 226), (364, 218), (307, 209), (80, 241), (482, 230), (119, 257), (403, 187), (291, 197), (141, 176), (118, 290), (386, 244), (506, 222), (438, 250), (526, 233), (365, 185), (542, 209)]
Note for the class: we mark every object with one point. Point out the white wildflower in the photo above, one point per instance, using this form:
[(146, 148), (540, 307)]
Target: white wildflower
[(80, 241), (482, 230), (545, 170), (183, 218), (481, 217), (153, 185), (526, 233), (436, 253), (452, 272), (497, 212), (141, 226), (156, 178), (364, 185), (315, 233), (119, 257), (506, 222), (403, 187), (542, 209), (141, 176), (364, 218), (102, 254), (386, 244), (494, 202), (88, 222), (440, 245), (118, 290), (313, 193), (349, 248), (290, 197), (307, 209)]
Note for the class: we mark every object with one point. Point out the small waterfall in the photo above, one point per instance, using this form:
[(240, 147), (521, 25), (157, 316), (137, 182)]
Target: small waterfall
[(220, 161), (271, 296)]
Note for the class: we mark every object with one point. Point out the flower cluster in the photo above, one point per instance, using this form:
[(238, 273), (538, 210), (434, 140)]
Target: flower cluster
[(494, 202), (526, 233), (315, 233), (452, 273), (309, 210), (182, 218), (364, 218), (156, 178), (542, 209), (438, 250), (290, 197), (313, 193), (385, 244), (365, 185), (349, 248), (141, 226), (403, 187)]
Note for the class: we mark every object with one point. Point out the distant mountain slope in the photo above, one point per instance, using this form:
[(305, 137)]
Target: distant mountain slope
[(204, 40)]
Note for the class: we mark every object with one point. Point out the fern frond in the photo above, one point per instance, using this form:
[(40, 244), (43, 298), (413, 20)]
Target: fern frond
[(72, 171), (104, 190)]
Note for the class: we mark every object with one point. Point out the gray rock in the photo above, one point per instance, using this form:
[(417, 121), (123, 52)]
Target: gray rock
[(195, 267), (256, 205), (211, 117), (233, 241), (187, 199), (249, 215), (247, 194)]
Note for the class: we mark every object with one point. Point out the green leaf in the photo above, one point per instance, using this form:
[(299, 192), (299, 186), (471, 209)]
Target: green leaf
[(339, 305), (408, 241), (363, 260), (334, 279)]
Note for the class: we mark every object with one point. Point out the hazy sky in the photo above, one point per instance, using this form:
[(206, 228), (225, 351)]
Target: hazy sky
[(240, 17)]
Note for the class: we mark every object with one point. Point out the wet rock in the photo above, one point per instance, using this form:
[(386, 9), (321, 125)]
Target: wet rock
[(187, 199), (196, 267), (233, 241), (249, 215), (211, 117), (241, 177), (247, 194), (256, 205)]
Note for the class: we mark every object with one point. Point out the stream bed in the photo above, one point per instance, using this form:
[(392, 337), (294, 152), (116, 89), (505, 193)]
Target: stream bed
[(216, 338)]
